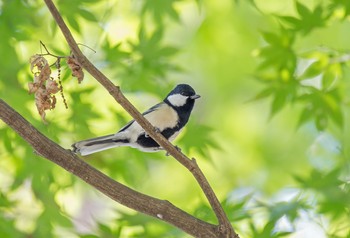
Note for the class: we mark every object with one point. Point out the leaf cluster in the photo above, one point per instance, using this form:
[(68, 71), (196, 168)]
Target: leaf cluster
[(314, 80), (310, 79)]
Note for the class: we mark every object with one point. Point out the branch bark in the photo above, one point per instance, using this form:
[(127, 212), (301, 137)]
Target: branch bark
[(74, 165)]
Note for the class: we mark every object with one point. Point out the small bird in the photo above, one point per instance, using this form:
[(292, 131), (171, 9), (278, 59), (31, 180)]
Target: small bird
[(168, 117)]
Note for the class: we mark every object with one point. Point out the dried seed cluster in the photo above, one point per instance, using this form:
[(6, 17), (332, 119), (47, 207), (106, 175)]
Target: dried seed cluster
[(44, 86), (77, 71)]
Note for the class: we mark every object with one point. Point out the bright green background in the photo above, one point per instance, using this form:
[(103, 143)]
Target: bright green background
[(271, 130)]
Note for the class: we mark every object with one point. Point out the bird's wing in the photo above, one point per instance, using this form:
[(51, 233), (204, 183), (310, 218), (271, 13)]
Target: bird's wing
[(152, 109), (161, 116)]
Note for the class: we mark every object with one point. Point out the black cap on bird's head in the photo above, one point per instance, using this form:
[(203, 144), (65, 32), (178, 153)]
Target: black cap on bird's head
[(183, 89), (181, 95)]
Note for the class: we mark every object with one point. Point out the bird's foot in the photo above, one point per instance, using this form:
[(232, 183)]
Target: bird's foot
[(157, 130), (176, 147)]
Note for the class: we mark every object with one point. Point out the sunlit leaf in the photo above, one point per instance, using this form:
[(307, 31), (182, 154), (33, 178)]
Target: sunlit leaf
[(264, 93), (308, 20), (330, 75), (199, 138), (306, 116), (278, 103), (159, 9), (87, 15), (237, 210), (316, 68), (279, 52), (204, 212), (271, 38), (291, 21), (8, 228), (341, 4), (302, 10), (73, 23)]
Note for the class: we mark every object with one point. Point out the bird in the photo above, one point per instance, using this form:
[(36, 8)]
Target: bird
[(168, 117)]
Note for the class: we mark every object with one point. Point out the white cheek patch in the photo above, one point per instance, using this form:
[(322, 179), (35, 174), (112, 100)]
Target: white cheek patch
[(177, 100)]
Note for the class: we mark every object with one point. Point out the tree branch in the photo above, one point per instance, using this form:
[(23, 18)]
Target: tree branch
[(225, 227), (157, 208)]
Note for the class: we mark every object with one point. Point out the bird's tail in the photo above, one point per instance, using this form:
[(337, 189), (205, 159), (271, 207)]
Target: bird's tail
[(90, 146)]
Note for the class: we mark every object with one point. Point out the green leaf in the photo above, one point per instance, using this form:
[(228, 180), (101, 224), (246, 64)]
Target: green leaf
[(332, 196), (279, 53), (321, 121), (73, 23), (332, 106), (271, 38), (199, 138), (237, 210), (278, 103), (204, 212), (263, 94), (105, 230), (328, 79), (292, 21), (308, 20), (303, 10), (159, 9), (8, 227), (4, 202), (315, 69), (345, 4), (330, 75), (168, 51), (87, 15), (306, 115), (282, 234), (7, 140), (289, 209), (155, 38)]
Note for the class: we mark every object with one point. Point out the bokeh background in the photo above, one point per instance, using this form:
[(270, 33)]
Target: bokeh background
[(271, 130)]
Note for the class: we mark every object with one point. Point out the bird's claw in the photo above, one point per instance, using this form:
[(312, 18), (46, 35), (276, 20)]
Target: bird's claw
[(156, 129), (176, 147)]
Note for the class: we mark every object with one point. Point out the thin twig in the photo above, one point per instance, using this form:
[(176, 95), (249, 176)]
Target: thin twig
[(49, 53), (87, 47)]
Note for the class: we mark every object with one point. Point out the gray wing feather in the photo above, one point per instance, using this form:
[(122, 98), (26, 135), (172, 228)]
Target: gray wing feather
[(152, 109)]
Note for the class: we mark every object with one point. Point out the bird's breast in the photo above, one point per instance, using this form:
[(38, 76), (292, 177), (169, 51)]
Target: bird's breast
[(163, 117)]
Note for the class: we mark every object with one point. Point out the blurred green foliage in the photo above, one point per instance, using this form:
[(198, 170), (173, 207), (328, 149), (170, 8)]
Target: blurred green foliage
[(271, 130)]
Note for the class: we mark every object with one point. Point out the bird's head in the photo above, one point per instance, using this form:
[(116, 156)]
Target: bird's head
[(181, 95)]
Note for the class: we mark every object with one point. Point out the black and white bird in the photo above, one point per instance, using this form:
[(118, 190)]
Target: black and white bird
[(168, 117)]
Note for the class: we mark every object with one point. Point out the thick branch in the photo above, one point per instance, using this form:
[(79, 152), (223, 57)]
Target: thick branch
[(159, 209), (224, 225)]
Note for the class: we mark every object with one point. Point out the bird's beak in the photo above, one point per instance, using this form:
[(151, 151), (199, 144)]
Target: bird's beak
[(196, 96)]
